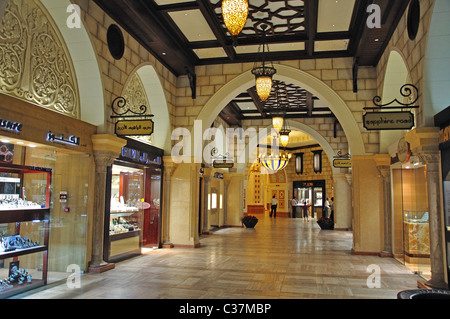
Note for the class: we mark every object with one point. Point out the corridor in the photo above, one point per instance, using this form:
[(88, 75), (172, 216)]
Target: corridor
[(280, 259)]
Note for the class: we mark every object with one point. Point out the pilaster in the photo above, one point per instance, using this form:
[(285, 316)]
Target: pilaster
[(106, 149), (424, 142)]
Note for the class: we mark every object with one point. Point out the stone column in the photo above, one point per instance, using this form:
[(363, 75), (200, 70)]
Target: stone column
[(424, 142), (383, 164), (206, 188), (226, 182), (106, 149), (342, 202), (432, 160), (169, 169)]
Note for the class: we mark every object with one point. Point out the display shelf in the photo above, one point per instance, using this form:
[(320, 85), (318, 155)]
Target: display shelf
[(17, 184), (20, 289)]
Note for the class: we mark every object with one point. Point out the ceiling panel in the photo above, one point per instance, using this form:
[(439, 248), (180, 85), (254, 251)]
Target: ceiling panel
[(335, 15), (193, 25)]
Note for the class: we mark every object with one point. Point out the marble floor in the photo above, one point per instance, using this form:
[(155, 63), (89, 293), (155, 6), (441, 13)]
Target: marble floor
[(280, 259)]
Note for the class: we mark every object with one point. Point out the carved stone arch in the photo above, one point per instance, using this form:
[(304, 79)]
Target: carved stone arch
[(35, 64), (84, 59), (154, 91)]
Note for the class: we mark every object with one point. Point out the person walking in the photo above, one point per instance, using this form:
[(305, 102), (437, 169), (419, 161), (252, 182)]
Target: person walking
[(273, 207), (294, 204), (305, 210), (326, 212)]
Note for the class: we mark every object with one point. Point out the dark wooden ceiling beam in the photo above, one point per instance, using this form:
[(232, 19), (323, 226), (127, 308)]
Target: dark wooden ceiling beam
[(216, 27), (312, 11), (257, 101)]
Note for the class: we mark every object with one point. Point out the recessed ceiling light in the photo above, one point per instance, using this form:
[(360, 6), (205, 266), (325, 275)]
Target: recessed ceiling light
[(32, 145), (6, 141)]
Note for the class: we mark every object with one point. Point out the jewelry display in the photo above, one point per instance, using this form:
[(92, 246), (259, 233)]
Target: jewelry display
[(118, 226), (25, 198), (17, 276), (16, 242), (10, 202)]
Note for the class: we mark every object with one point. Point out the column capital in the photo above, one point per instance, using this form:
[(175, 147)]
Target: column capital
[(108, 143), (423, 138)]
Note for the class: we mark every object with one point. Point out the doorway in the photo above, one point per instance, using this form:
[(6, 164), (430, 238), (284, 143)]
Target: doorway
[(311, 194)]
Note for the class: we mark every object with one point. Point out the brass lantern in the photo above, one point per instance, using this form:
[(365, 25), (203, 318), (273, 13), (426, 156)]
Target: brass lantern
[(263, 73), (234, 13)]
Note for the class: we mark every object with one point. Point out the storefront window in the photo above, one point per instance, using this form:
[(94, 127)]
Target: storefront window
[(68, 203), (126, 208), (411, 231)]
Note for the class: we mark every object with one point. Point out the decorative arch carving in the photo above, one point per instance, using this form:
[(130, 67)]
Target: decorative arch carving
[(34, 61)]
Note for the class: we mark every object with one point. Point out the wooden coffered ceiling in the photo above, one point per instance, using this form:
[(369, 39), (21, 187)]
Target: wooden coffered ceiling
[(183, 34)]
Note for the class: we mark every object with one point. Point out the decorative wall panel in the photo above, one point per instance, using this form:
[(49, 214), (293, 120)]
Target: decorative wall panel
[(34, 61)]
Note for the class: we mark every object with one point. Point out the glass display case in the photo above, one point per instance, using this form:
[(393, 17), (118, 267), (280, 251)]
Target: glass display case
[(24, 227), (125, 212), (318, 199)]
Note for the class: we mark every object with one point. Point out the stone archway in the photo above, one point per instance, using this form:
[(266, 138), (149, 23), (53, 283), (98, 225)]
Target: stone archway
[(303, 79), (397, 75), (157, 104)]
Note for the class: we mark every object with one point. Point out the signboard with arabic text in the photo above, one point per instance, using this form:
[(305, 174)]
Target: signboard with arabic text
[(134, 128)]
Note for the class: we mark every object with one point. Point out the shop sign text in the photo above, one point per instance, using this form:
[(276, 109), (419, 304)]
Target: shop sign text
[(134, 128), (388, 120)]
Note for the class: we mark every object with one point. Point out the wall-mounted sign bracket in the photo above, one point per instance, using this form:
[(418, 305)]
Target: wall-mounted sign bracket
[(376, 119), (121, 109), (407, 91), (131, 122), (342, 161)]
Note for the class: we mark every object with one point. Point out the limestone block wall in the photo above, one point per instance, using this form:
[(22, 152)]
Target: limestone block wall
[(413, 53), (115, 73), (335, 72)]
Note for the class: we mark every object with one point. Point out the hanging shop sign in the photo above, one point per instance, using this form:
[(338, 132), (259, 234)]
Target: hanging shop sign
[(380, 119), (71, 140), (388, 121), (342, 161), (134, 128), (221, 161), (131, 122), (223, 164)]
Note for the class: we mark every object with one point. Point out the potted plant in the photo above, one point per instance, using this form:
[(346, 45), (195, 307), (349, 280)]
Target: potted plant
[(249, 221), (325, 223)]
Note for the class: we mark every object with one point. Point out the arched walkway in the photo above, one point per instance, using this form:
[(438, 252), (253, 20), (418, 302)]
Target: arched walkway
[(294, 126), (298, 77), (280, 259)]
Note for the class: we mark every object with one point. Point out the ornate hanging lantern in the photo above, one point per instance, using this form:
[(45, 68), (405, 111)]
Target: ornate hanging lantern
[(274, 163), (234, 13), (263, 73)]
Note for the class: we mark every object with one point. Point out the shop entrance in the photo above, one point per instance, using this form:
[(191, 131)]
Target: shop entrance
[(152, 215), (310, 194), (411, 231)]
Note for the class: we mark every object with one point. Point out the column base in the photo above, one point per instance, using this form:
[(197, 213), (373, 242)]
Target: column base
[(385, 254), (101, 268), (167, 245)]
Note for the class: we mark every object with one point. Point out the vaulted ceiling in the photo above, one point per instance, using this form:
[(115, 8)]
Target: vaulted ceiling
[(183, 34)]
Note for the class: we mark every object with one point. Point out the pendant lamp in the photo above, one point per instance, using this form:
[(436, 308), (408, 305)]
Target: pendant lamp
[(263, 73), (235, 13)]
